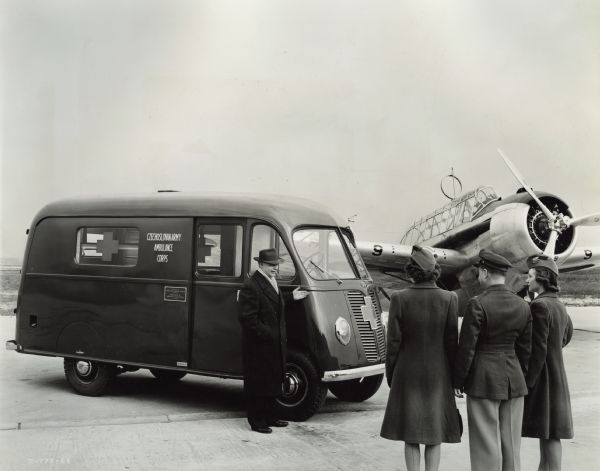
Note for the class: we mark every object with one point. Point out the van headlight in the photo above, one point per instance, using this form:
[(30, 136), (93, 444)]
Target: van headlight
[(343, 331)]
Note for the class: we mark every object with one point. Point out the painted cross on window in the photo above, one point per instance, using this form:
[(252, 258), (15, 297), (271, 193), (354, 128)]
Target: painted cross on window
[(367, 312), (108, 246), (205, 248)]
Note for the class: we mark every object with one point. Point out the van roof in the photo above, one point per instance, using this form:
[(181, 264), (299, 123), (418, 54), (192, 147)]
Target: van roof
[(281, 210)]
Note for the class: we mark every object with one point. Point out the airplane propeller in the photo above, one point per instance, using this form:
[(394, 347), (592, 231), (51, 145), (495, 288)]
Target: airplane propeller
[(549, 214), (557, 222), (589, 220)]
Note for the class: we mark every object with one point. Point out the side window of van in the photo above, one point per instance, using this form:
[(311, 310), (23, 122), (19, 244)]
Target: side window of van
[(219, 250), (265, 237), (114, 246)]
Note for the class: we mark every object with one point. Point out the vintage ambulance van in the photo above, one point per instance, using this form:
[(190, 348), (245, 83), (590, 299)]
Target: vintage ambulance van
[(114, 284)]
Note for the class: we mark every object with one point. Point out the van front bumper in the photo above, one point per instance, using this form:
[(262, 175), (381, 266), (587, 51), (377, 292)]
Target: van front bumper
[(353, 373)]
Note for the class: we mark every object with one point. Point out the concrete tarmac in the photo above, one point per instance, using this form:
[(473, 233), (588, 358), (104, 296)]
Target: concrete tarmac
[(199, 423)]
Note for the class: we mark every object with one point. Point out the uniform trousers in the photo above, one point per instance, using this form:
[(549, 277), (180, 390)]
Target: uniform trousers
[(495, 433), (261, 410)]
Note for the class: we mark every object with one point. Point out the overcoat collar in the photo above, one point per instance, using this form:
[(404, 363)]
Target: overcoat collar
[(424, 285), (547, 294), (498, 287), (266, 286)]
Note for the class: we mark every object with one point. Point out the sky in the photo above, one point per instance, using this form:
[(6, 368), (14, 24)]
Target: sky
[(363, 106)]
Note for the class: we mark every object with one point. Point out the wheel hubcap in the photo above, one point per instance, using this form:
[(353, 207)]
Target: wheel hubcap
[(292, 384), (84, 368), (295, 386)]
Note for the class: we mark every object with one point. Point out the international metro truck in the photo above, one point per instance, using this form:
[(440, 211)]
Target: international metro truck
[(115, 284)]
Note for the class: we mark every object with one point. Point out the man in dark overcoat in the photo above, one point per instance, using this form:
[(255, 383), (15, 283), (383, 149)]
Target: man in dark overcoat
[(264, 339), (491, 363)]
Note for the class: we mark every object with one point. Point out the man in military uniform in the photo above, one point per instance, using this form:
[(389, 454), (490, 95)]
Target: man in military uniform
[(262, 309), (491, 362)]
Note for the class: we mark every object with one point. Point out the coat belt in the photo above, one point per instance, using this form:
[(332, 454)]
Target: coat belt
[(496, 348)]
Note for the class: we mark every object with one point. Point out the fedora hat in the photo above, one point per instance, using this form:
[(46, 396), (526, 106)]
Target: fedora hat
[(269, 256)]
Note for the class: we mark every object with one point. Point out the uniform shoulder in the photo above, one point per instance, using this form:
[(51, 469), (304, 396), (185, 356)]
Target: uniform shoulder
[(448, 294), (520, 300), (541, 302), (403, 294), (474, 300)]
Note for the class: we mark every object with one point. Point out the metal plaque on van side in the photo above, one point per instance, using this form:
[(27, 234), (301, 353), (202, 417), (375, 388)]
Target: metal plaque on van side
[(176, 293)]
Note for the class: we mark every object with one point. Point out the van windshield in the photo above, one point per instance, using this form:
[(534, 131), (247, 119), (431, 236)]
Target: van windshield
[(322, 254)]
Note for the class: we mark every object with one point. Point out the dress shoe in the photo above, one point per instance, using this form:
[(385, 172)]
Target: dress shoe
[(279, 423), (262, 429)]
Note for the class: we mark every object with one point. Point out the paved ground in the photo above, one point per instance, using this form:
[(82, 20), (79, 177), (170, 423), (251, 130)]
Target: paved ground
[(199, 423), (585, 318)]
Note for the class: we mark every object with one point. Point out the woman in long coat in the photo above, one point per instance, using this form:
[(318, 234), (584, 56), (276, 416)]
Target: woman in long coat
[(547, 411), (422, 342)]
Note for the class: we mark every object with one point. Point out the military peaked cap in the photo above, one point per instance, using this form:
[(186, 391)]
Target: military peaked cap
[(493, 261), (542, 261)]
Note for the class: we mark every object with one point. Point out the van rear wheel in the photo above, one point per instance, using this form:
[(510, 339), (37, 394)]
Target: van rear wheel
[(89, 378), (356, 390), (303, 393), (167, 376)]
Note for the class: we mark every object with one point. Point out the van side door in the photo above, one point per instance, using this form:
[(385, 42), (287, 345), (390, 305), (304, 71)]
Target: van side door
[(219, 267)]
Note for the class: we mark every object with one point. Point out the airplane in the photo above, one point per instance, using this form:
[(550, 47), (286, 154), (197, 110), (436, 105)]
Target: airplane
[(516, 226)]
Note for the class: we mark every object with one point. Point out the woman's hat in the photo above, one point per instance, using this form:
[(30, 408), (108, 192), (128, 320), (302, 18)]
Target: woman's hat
[(269, 256), (542, 261), (423, 257)]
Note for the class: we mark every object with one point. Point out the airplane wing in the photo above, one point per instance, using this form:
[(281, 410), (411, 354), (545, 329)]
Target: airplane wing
[(393, 257), (580, 259)]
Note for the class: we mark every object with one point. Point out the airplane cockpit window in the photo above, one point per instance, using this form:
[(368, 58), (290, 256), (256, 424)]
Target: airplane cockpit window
[(484, 195), (459, 211), (322, 254)]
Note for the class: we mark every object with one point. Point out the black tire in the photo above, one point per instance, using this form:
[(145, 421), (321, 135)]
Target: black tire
[(356, 390), (167, 376), (304, 393), (89, 378)]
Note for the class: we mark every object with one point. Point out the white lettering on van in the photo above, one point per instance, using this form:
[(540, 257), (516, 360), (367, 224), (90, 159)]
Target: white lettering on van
[(162, 258), (163, 247), (163, 236)]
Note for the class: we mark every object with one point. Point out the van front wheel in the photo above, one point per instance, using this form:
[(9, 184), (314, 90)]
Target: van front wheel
[(303, 391), (356, 390), (89, 378)]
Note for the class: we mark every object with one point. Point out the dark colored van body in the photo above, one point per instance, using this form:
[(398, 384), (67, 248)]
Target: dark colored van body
[(151, 281)]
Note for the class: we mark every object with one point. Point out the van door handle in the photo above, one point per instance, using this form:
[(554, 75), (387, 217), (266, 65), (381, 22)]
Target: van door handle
[(237, 296)]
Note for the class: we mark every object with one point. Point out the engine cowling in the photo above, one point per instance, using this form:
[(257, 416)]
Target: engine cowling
[(518, 230)]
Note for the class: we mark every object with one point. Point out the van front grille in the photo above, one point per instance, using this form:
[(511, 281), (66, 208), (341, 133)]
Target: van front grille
[(373, 341)]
